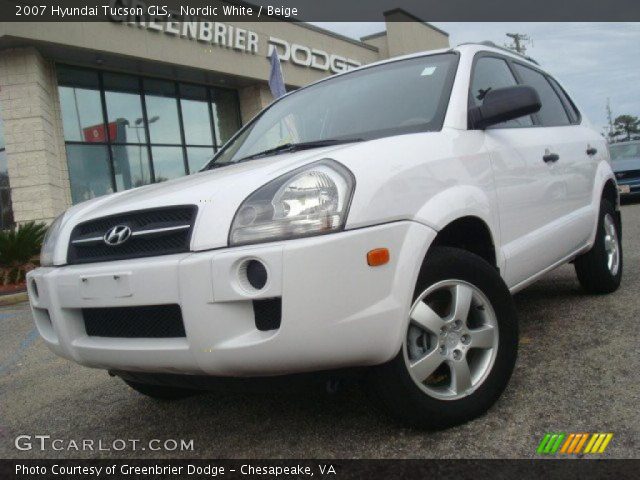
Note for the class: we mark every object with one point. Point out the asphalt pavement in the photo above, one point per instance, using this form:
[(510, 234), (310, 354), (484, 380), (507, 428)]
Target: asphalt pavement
[(578, 371)]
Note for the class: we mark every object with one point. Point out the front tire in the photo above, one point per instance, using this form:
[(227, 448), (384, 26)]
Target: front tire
[(599, 270), (460, 346)]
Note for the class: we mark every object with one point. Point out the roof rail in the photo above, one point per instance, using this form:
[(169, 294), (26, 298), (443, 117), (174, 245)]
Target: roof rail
[(488, 43)]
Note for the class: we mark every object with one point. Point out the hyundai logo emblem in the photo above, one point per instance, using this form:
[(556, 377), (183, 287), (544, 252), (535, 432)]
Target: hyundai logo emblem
[(117, 235)]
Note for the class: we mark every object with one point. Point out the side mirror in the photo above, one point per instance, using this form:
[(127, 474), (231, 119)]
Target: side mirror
[(503, 104)]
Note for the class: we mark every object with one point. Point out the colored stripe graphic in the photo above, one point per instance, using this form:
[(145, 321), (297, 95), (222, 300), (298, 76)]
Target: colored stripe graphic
[(570, 439), (582, 441), (543, 443), (572, 443), (550, 443), (592, 441), (605, 443), (556, 445)]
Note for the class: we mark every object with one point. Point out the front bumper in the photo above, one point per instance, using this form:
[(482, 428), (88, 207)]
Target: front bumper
[(336, 310), (629, 186)]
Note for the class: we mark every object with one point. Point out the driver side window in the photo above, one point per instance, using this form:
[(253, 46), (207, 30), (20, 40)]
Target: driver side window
[(491, 73)]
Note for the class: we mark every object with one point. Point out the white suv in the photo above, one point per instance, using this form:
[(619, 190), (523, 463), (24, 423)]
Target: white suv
[(380, 218)]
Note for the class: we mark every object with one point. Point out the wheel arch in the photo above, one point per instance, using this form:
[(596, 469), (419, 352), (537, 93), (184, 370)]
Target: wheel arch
[(610, 192), (605, 188), (470, 233), (466, 217)]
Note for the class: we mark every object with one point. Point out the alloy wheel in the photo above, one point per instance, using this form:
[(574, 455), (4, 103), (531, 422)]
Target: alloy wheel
[(452, 340), (611, 245)]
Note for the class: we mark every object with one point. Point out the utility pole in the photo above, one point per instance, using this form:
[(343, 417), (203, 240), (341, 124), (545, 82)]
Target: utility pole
[(610, 133), (519, 42)]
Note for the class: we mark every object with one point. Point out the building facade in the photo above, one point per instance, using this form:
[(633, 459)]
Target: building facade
[(88, 109)]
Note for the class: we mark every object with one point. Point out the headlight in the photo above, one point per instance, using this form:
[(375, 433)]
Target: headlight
[(49, 242), (311, 200)]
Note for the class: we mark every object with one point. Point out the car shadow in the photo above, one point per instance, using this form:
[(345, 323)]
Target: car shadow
[(632, 200)]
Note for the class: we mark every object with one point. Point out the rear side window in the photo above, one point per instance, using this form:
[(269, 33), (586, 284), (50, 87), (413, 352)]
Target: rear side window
[(552, 113), (574, 115), (491, 73)]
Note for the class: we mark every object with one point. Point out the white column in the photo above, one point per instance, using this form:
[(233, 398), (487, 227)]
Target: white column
[(253, 99), (35, 149)]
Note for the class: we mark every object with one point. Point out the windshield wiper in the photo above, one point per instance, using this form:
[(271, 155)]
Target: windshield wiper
[(293, 147)]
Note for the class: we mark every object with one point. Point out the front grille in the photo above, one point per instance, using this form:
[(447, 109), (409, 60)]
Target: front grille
[(152, 232), (155, 321)]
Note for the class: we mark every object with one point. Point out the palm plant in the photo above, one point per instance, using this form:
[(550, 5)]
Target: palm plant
[(19, 248)]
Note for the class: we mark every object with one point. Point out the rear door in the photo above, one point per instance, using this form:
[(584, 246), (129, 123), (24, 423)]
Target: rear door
[(573, 174)]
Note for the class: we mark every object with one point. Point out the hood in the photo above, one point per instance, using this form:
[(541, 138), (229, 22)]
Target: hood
[(217, 193)]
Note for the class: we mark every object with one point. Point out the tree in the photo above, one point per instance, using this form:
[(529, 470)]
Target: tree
[(627, 126), (610, 129)]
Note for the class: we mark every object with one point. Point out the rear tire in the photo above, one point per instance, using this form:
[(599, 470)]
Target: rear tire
[(452, 393), (161, 392), (599, 270)]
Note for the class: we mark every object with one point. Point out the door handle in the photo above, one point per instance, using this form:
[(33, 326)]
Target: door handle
[(591, 151), (550, 157)]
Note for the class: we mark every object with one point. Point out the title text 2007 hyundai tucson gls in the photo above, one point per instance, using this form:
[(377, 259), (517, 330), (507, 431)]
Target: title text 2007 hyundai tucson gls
[(378, 219)]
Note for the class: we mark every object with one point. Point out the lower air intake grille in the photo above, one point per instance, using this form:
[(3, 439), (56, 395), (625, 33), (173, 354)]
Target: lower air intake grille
[(268, 313), (155, 321)]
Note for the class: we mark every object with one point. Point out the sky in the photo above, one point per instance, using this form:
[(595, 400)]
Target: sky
[(593, 61)]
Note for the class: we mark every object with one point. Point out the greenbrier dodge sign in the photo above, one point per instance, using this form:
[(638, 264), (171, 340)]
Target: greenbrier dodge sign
[(243, 40)]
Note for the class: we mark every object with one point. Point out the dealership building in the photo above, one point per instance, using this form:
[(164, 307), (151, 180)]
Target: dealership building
[(88, 109)]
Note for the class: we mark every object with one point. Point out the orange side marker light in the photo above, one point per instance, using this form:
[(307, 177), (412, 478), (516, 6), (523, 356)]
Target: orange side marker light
[(377, 257)]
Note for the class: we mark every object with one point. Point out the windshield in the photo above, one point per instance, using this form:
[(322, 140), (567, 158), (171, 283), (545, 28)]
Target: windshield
[(622, 151), (400, 97)]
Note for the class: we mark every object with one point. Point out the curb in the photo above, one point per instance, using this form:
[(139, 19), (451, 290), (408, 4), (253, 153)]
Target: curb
[(13, 298)]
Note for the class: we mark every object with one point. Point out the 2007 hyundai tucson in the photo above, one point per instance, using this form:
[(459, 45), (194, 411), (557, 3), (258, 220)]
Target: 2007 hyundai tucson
[(379, 218)]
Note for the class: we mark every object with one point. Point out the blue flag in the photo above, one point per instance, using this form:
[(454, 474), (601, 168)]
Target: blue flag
[(276, 82)]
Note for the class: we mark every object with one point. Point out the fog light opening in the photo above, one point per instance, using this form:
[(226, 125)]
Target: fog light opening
[(34, 289), (256, 274), (253, 275)]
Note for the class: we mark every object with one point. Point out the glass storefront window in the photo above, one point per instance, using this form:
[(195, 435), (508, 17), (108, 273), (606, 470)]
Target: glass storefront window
[(226, 117), (4, 170), (81, 106), (2, 142), (123, 131), (198, 157), (124, 108), (131, 166), (195, 115), (6, 212), (89, 171), (167, 163), (162, 111)]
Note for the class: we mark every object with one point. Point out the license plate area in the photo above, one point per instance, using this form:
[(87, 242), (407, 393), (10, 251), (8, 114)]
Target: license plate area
[(624, 188), (115, 285)]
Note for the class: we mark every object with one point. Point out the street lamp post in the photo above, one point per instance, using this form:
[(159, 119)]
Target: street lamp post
[(138, 125)]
